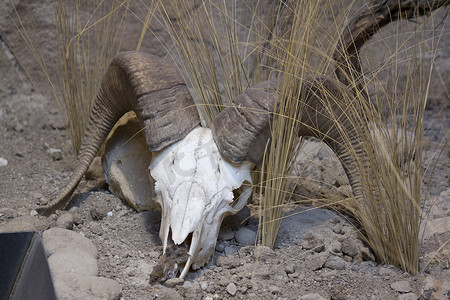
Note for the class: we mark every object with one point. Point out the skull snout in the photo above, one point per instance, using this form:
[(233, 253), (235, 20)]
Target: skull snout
[(188, 208)]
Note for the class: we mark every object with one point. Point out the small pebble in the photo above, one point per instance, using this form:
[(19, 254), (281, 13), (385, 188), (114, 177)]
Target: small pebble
[(110, 214), (230, 250), (335, 263), (319, 248), (408, 296), (3, 162), (274, 290), (33, 213), (42, 201), (427, 294), (204, 285), (65, 221), (231, 289), (385, 272), (36, 195), (220, 247), (226, 234), (401, 286), (77, 218), (56, 154), (173, 282), (337, 228), (289, 269), (245, 236)]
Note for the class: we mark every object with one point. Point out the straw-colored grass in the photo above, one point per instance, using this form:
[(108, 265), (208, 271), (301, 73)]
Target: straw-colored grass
[(87, 43)]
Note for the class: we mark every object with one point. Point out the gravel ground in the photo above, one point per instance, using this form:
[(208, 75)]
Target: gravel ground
[(317, 254)]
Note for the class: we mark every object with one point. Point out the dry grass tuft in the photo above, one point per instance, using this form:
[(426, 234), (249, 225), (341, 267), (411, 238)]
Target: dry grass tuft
[(87, 43)]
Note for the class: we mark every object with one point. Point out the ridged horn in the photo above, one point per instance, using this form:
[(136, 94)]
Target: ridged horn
[(150, 87), (242, 131)]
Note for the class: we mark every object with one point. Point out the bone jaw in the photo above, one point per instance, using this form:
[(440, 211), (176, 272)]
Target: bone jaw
[(194, 186)]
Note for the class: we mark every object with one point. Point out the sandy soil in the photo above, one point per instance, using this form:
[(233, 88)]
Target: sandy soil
[(317, 252)]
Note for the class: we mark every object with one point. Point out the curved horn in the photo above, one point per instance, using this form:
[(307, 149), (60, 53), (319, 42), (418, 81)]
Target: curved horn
[(364, 26), (150, 87), (242, 131)]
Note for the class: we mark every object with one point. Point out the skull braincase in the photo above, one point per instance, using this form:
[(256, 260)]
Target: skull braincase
[(194, 186)]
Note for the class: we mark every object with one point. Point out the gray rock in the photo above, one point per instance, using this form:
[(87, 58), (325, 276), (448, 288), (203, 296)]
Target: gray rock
[(319, 248), (230, 250), (173, 282), (402, 286), (73, 260), (408, 296), (55, 154), (187, 285), (335, 263), (77, 286), (220, 247), (65, 221), (3, 162), (245, 236), (427, 294), (289, 269), (386, 272), (55, 239), (350, 247), (336, 247), (337, 228), (226, 234), (317, 261), (204, 285), (36, 195), (310, 241), (312, 297), (231, 289), (77, 218)]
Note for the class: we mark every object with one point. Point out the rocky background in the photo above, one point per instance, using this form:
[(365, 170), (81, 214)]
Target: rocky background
[(102, 249)]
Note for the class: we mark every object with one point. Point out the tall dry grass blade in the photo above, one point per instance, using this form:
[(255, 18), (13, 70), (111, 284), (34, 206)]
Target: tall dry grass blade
[(87, 43), (280, 153)]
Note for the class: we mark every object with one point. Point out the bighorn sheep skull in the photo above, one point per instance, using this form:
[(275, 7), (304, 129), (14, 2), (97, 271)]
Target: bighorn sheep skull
[(196, 169), (194, 187)]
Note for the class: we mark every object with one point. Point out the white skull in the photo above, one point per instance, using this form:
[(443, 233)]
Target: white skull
[(194, 186)]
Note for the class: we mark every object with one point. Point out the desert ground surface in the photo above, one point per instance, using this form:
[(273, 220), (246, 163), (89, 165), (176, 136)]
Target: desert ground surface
[(317, 255)]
